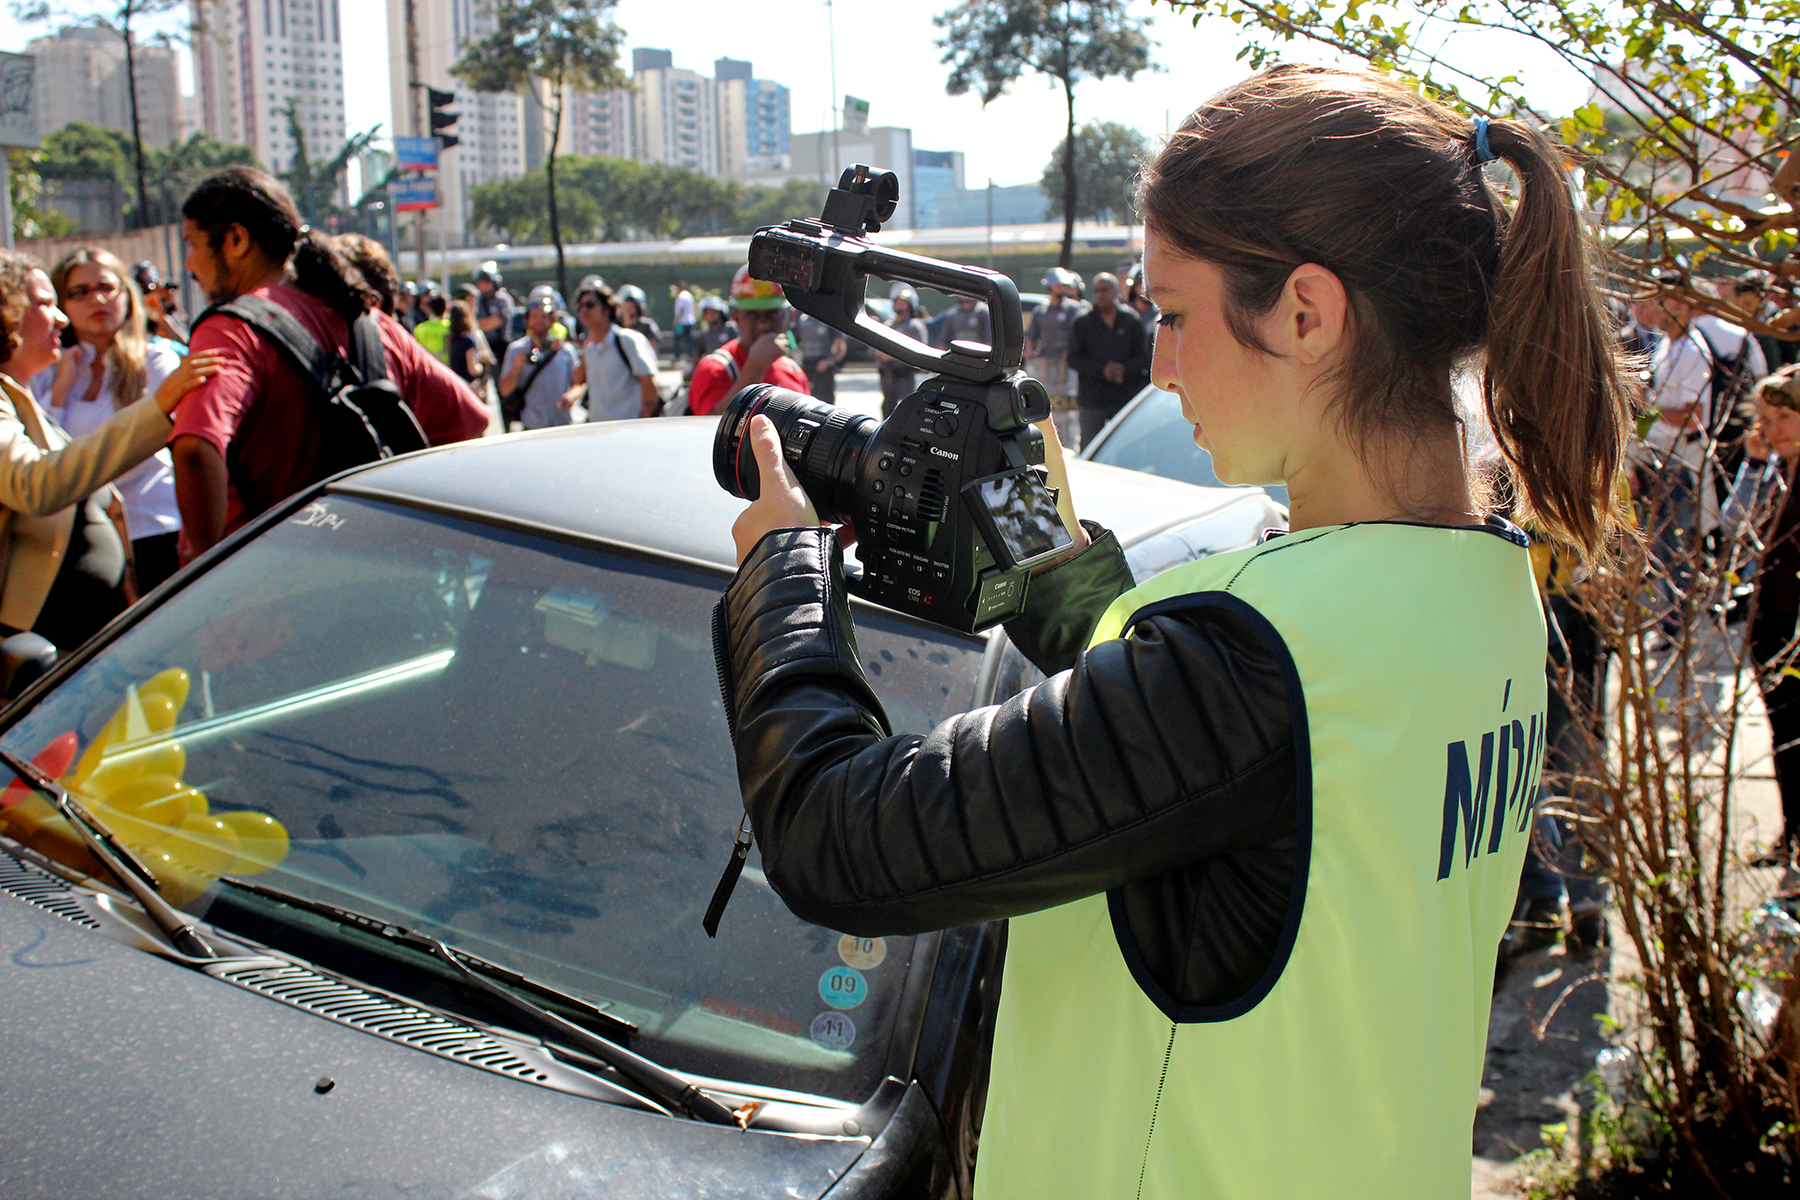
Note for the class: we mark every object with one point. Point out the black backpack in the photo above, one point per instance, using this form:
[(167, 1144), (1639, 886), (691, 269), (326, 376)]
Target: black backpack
[(365, 417)]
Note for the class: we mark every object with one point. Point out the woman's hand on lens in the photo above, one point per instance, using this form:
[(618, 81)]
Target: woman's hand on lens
[(194, 370), (781, 505)]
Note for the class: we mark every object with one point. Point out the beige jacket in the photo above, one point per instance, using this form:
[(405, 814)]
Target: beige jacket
[(43, 473)]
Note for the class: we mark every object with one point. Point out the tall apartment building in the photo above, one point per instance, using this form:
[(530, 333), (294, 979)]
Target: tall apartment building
[(675, 113), (81, 77), (599, 123), (253, 58), (754, 120), (492, 126)]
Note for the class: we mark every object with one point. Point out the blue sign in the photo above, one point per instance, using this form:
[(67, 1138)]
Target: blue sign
[(416, 153), (410, 195)]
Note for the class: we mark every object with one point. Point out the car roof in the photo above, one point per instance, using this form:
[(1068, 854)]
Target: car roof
[(649, 484)]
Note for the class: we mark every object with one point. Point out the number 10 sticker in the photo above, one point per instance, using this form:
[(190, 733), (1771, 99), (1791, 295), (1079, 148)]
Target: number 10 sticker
[(865, 954), (843, 987)]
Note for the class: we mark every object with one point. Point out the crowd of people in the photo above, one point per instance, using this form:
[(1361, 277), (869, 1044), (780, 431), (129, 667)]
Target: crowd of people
[(1710, 473)]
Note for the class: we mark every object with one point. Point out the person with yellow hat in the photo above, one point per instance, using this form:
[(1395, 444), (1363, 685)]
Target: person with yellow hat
[(759, 353)]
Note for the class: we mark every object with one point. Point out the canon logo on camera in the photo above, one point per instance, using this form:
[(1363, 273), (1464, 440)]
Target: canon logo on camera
[(945, 454)]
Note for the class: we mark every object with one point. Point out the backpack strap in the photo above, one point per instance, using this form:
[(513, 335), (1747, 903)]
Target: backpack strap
[(287, 334), (724, 359), (368, 356)]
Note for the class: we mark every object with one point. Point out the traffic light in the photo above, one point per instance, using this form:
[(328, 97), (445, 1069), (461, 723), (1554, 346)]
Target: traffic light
[(441, 120)]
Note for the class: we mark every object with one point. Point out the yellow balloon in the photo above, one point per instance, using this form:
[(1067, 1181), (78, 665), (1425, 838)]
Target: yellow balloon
[(178, 884), (112, 731), (56, 839), (159, 713), (262, 841), (157, 702), (204, 845), (131, 829), (129, 797), (172, 683), (117, 772), (21, 820)]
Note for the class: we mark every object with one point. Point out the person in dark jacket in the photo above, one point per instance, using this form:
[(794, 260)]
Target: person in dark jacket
[(1110, 355), (1777, 610), (1254, 906)]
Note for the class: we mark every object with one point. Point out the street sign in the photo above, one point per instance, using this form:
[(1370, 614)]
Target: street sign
[(416, 153), (410, 195), (18, 115)]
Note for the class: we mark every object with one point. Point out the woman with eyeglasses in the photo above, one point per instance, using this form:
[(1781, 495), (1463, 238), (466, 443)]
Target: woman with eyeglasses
[(110, 361), (63, 544)]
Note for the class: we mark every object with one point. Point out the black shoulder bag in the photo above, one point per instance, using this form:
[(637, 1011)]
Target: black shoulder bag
[(512, 405)]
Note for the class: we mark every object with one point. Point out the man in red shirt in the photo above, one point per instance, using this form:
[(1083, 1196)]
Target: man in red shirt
[(252, 435), (757, 355)]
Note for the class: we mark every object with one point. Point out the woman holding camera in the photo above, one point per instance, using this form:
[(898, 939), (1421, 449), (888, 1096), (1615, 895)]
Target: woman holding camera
[(63, 547), (1260, 832)]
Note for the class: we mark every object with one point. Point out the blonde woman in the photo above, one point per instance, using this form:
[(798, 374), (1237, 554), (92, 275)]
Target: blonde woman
[(62, 557), (112, 365)]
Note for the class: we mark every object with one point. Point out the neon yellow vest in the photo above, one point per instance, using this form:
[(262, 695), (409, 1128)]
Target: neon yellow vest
[(1420, 657)]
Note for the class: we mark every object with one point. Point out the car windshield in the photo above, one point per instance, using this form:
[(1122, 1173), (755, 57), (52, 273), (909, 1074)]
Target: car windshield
[(1155, 438), (509, 742)]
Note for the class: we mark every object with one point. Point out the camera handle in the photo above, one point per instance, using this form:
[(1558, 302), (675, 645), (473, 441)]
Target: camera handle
[(824, 272)]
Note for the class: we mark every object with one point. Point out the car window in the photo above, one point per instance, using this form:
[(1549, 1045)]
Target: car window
[(508, 742), (1156, 439)]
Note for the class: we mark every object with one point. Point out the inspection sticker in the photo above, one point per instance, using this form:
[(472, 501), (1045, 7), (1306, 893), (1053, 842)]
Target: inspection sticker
[(843, 987), (865, 954), (833, 1030)]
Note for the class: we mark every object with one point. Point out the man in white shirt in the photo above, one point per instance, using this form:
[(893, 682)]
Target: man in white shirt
[(684, 320), (618, 367), (1680, 390), (1680, 379)]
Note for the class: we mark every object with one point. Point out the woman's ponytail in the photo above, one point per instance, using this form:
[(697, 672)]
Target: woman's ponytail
[(1384, 187), (1553, 385), (321, 270)]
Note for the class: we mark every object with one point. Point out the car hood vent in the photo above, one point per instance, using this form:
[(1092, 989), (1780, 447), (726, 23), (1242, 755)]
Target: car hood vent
[(381, 1015), (46, 891)]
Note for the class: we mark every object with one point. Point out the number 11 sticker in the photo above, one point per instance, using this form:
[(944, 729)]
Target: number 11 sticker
[(833, 1030)]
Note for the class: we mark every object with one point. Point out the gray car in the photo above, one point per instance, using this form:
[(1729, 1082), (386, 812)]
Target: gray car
[(431, 759)]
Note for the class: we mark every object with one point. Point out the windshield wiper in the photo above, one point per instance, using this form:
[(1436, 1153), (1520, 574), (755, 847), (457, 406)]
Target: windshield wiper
[(657, 1082), (103, 844)]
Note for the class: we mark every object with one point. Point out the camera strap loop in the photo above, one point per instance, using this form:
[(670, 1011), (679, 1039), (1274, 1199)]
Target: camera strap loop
[(740, 851)]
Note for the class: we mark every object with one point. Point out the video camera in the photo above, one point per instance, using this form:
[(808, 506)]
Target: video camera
[(948, 496)]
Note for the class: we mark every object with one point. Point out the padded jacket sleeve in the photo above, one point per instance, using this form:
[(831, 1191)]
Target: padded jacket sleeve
[(1152, 753), (1066, 601)]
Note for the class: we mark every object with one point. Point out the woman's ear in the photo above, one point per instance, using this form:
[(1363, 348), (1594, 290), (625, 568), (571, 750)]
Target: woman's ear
[(1308, 322)]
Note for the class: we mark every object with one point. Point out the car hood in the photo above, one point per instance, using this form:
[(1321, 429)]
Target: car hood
[(650, 484), (129, 1075)]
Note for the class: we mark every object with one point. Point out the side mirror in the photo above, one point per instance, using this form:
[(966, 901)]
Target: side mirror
[(23, 658)]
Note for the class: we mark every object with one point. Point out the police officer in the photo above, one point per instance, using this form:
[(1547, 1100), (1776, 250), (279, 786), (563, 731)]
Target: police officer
[(494, 308), (1260, 830)]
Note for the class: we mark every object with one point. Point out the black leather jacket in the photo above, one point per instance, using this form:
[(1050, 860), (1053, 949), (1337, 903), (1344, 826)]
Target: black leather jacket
[(1161, 769)]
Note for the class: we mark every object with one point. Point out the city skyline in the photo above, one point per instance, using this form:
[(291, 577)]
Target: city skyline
[(1009, 141)]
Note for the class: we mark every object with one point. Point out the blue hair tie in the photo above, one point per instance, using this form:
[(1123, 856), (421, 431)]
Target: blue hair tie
[(1483, 154)]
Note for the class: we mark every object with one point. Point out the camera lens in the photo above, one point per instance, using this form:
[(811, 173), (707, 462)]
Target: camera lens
[(822, 442)]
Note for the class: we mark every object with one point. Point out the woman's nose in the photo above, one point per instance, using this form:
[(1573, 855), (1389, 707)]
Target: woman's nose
[(1162, 361)]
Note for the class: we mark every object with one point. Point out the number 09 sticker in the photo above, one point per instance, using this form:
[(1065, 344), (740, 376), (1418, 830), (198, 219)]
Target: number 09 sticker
[(843, 987)]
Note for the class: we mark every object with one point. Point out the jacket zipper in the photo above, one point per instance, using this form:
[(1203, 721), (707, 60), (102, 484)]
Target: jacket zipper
[(1144, 1167)]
